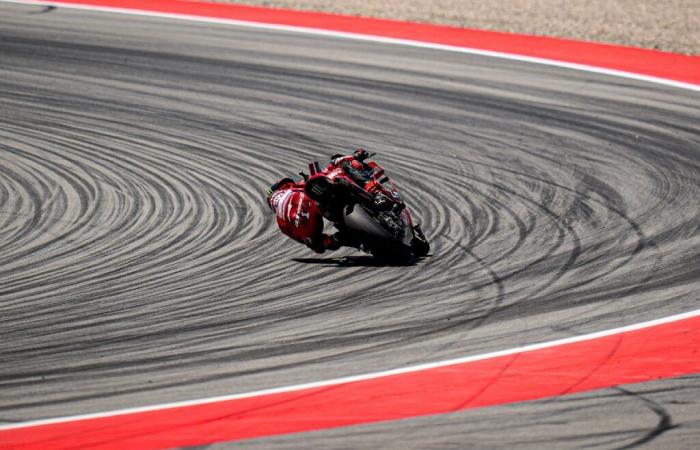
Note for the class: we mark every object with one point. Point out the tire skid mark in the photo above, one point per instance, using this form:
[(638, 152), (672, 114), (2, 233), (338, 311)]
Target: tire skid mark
[(643, 242), (143, 265), (664, 424)]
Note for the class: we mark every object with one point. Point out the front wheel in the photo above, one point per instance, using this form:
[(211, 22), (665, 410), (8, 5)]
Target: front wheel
[(420, 244)]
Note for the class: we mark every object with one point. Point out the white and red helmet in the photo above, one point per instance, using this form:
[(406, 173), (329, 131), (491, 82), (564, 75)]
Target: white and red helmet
[(275, 187)]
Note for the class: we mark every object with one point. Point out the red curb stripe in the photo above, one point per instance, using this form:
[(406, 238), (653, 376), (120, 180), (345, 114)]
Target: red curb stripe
[(662, 351), (682, 68)]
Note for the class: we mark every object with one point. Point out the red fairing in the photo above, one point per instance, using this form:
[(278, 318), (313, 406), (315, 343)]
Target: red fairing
[(334, 170), (298, 216)]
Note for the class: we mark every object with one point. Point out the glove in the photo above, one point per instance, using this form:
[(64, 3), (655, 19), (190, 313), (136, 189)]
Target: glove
[(372, 186), (361, 154)]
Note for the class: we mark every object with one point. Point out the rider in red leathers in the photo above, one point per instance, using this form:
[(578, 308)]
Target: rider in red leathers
[(300, 216)]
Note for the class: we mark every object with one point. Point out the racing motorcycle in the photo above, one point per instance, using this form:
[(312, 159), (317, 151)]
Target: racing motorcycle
[(378, 223)]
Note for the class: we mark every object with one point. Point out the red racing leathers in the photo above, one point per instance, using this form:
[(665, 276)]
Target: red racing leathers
[(299, 217)]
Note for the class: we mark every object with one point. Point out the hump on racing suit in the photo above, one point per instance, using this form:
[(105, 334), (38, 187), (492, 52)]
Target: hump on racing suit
[(299, 217)]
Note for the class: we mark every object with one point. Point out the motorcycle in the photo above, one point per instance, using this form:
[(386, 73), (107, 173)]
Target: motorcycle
[(378, 223)]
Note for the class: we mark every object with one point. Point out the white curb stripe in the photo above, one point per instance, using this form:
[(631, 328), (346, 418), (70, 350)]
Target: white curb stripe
[(368, 376), (385, 373), (379, 39)]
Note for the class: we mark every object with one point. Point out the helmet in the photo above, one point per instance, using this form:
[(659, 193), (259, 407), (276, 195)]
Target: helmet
[(276, 186)]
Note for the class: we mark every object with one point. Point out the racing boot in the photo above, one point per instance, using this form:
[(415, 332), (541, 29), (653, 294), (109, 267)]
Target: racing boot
[(331, 242)]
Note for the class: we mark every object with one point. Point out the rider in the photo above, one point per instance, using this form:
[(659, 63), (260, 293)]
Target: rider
[(300, 217)]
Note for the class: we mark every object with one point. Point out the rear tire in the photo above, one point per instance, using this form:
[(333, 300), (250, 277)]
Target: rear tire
[(378, 240)]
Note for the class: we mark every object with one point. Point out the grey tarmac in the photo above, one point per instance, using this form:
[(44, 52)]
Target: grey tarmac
[(140, 265)]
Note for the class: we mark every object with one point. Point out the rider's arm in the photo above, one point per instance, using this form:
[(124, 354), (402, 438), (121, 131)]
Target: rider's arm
[(360, 155), (351, 168)]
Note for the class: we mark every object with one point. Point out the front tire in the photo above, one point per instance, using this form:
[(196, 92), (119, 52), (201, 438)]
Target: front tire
[(420, 244)]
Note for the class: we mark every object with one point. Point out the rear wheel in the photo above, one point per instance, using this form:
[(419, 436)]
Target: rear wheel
[(420, 244)]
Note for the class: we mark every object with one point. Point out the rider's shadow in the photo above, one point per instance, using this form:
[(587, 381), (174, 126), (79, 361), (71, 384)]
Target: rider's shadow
[(356, 261)]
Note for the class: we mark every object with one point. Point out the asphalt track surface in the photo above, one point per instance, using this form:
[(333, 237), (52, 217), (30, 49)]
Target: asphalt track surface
[(140, 266)]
